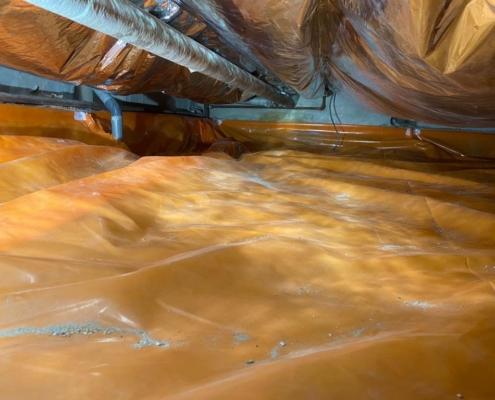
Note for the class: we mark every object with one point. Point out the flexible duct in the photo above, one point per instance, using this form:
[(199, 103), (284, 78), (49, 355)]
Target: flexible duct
[(280, 35), (128, 23)]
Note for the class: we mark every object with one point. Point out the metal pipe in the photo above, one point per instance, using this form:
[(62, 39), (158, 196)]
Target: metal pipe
[(112, 105), (128, 23)]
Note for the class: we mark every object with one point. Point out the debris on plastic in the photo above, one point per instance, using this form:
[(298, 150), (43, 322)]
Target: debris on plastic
[(87, 329)]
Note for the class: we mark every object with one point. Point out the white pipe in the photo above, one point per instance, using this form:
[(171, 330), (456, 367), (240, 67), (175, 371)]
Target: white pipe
[(126, 22)]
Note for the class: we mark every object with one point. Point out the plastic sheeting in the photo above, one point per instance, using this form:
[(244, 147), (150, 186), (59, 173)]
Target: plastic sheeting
[(133, 25), (423, 60), (283, 275), (45, 44), (281, 35), (372, 141), (144, 134)]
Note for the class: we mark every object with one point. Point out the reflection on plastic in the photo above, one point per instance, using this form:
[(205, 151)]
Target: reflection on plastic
[(279, 35), (45, 44), (428, 61), (423, 60), (283, 275)]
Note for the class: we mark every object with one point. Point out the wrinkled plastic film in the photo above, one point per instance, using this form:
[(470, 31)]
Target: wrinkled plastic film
[(35, 44), (278, 35), (131, 24), (367, 141), (427, 61), (145, 134), (204, 277)]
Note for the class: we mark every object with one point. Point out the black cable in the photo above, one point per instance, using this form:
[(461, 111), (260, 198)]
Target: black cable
[(333, 120), (341, 134), (335, 109)]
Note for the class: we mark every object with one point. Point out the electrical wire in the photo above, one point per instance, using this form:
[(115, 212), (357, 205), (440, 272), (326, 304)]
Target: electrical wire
[(339, 121), (333, 106)]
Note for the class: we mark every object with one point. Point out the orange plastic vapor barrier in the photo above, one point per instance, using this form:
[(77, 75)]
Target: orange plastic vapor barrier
[(47, 45), (364, 270), (429, 61), (280, 35), (423, 60)]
